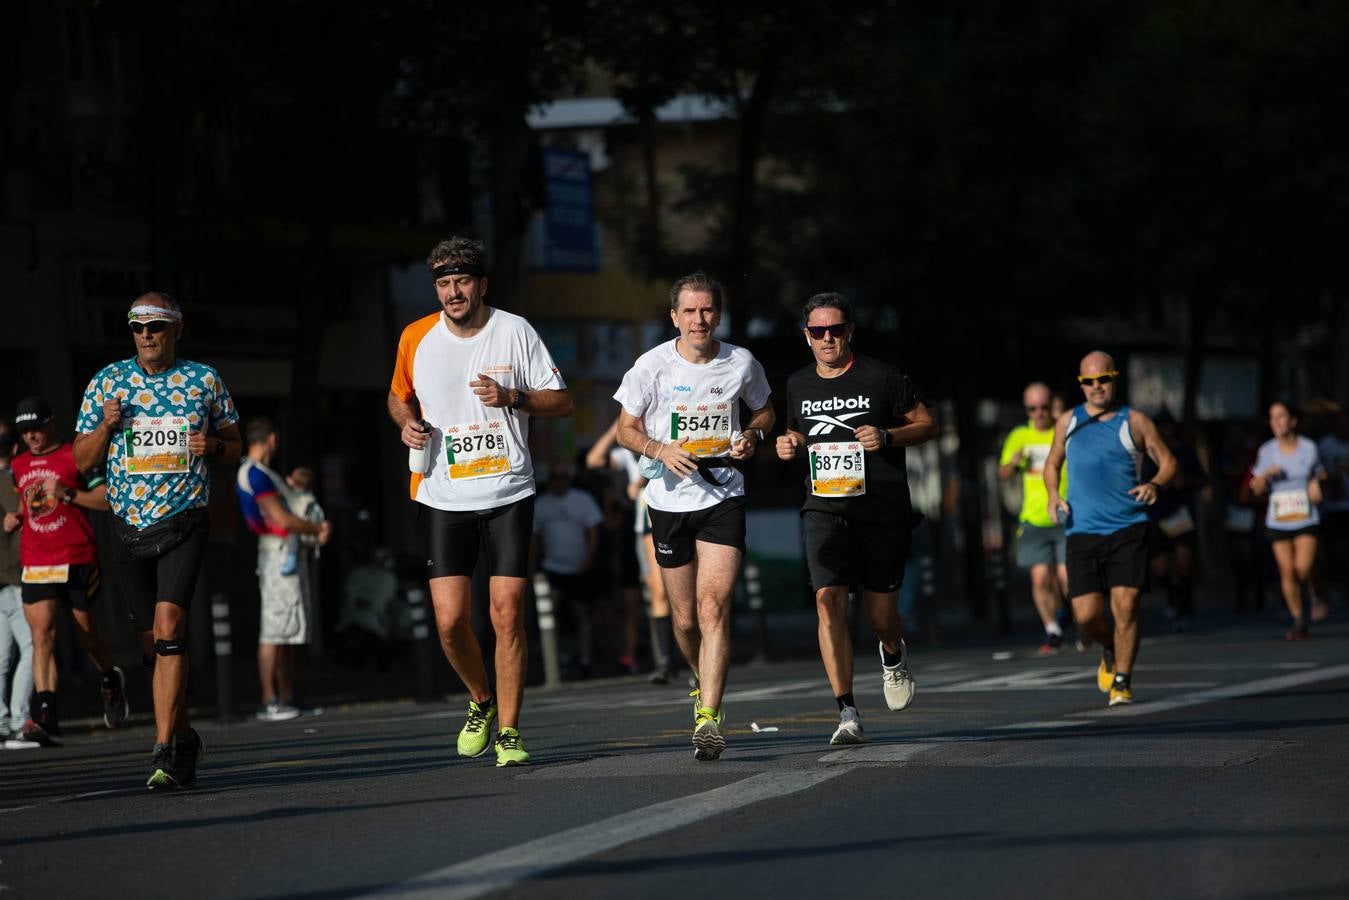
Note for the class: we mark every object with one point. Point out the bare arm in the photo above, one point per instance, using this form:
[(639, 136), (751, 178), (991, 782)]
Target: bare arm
[(632, 436), (549, 404), (95, 498), (790, 444), (1054, 462), (277, 516), (760, 422), (233, 441), (1145, 433), (91, 449), (919, 427), (407, 415), (1011, 467), (598, 457)]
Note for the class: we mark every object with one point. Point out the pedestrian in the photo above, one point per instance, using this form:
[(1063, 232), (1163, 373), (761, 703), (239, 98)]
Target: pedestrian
[(270, 507), (681, 412), (1041, 547), (466, 382), (1107, 522), (850, 417), (622, 486), (1288, 470), (156, 421), (567, 531), (60, 565), (16, 639)]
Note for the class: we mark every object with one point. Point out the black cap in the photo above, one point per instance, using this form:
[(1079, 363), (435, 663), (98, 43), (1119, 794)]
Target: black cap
[(32, 412)]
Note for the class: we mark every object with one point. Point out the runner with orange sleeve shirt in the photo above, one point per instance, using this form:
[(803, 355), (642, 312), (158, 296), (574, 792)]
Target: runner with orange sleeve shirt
[(59, 562)]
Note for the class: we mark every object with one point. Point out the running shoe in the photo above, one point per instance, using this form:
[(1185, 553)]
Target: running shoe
[(161, 768), (1121, 696), (115, 706), (662, 676), (188, 752), (849, 728), (16, 741), (476, 734), (1051, 645), (510, 751), (896, 680), (276, 711), (708, 742), (44, 736), (628, 664), (697, 695), (1295, 634), (1105, 673)]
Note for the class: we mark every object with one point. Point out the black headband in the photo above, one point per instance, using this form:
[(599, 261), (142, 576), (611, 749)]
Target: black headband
[(444, 269)]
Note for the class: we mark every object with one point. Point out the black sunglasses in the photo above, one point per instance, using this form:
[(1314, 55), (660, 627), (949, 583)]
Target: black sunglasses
[(155, 327), (837, 330), (1031, 409)]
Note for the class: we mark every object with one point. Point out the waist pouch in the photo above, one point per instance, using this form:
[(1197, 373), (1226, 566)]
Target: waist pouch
[(155, 540), (710, 464)]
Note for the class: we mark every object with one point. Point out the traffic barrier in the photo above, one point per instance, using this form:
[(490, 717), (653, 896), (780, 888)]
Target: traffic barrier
[(224, 657), (754, 593), (421, 633), (543, 605)]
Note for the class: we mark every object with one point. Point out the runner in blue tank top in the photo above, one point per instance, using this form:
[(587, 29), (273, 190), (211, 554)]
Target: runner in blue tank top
[(1107, 523)]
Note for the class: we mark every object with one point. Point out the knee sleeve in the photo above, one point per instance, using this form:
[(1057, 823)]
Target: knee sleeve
[(170, 648)]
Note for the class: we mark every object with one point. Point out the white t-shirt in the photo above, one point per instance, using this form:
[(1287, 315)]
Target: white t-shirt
[(561, 522), (676, 398), (480, 454)]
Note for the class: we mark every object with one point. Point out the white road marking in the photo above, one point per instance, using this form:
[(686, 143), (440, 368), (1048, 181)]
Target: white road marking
[(12, 809), (503, 868), (1226, 692)]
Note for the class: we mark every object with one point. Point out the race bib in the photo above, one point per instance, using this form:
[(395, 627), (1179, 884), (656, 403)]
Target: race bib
[(1290, 506), (46, 574), (1178, 523), (1035, 456), (838, 469), (477, 449), (157, 445), (706, 425)]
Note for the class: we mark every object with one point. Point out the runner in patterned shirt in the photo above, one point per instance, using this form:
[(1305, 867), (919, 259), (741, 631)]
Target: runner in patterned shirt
[(1288, 468), (155, 420), (60, 566), (850, 417), (681, 411), (466, 382)]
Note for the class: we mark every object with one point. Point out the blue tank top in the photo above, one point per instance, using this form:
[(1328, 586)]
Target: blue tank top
[(1102, 467)]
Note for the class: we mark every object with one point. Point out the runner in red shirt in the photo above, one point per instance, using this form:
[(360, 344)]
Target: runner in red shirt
[(60, 564)]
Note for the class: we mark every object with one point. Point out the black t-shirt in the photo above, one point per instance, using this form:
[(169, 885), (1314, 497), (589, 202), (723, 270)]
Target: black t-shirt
[(826, 410)]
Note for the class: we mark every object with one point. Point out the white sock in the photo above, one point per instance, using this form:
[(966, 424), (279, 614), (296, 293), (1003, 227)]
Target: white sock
[(1053, 629)]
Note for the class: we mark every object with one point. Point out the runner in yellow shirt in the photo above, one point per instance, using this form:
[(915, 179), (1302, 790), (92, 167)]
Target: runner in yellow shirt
[(1040, 544)]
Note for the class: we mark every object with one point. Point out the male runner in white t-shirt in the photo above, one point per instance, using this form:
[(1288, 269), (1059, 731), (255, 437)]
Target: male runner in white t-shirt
[(681, 407), (474, 375)]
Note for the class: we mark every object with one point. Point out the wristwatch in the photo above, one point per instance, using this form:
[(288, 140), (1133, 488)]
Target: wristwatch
[(758, 432), (518, 400), (68, 496), (888, 439)]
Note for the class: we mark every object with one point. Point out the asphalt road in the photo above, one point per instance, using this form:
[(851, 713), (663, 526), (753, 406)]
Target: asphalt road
[(1007, 777)]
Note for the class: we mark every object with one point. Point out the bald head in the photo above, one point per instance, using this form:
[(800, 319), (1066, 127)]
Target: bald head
[(159, 299), (1096, 362), (1036, 393)]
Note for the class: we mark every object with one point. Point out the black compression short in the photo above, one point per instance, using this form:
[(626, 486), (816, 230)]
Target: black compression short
[(454, 538)]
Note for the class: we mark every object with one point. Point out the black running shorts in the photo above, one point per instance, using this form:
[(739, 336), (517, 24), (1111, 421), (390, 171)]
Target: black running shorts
[(81, 588), (454, 538), (168, 578), (1099, 562), (845, 553), (675, 533)]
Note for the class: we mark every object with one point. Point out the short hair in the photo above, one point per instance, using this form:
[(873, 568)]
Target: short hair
[(699, 283), (257, 430), (457, 251), (828, 300), (302, 478)]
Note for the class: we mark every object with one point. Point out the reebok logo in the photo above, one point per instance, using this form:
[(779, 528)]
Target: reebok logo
[(825, 423), (833, 403)]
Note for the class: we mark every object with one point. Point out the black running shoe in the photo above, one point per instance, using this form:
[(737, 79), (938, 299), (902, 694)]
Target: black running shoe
[(161, 768), (187, 753), (115, 706), (43, 734)]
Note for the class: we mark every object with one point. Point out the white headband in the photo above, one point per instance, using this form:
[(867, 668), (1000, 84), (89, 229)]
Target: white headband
[(144, 312)]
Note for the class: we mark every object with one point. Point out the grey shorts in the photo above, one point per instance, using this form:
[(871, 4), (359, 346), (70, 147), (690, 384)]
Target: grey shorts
[(1036, 546), (285, 598)]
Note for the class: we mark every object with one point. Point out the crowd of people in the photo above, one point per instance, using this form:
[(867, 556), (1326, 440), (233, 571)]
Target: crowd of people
[(1107, 506)]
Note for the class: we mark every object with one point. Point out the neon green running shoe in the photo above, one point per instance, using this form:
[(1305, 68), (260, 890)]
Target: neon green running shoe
[(697, 696), (476, 734), (708, 742), (510, 750)]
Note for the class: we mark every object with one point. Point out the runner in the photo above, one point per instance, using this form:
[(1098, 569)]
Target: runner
[(155, 420), (269, 506), (475, 375), (60, 566), (851, 417), (1040, 543), (681, 412), (1288, 468), (1107, 524)]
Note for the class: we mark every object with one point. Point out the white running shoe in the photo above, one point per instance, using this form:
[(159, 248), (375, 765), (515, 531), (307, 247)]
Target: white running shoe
[(896, 680), (276, 711), (849, 728)]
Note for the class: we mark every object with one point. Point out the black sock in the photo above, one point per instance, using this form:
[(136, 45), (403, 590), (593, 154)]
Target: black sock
[(845, 700), (665, 635), (1122, 681), (44, 703), (892, 659)]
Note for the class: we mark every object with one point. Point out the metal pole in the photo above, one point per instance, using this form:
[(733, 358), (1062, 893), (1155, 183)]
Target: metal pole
[(420, 634), (224, 657), (754, 591), (543, 605)]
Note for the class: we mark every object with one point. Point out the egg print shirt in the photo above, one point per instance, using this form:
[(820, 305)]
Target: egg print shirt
[(150, 474)]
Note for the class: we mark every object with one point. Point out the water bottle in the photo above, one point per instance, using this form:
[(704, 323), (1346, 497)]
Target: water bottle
[(419, 460)]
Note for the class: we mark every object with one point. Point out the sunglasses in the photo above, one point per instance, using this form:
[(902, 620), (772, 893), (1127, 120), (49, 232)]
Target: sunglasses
[(1092, 381), (1034, 409), (818, 331), (155, 327)]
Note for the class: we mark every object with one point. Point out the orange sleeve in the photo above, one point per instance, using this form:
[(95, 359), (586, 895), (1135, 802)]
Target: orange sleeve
[(402, 386)]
